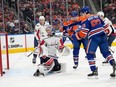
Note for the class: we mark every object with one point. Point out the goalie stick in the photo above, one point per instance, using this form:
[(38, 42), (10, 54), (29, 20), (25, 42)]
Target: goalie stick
[(31, 52), (39, 53), (111, 50)]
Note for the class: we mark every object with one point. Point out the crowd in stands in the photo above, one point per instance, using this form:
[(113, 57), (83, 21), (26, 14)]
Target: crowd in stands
[(1, 20), (109, 8), (42, 7), (58, 13), (11, 23)]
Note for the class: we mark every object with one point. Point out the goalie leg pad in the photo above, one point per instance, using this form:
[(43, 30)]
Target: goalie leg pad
[(63, 67), (41, 69)]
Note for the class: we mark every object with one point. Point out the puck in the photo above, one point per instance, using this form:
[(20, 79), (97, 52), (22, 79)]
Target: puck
[(3, 72)]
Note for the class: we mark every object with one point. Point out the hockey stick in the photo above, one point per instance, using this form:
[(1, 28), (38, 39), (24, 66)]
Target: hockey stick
[(111, 50), (31, 52), (41, 51)]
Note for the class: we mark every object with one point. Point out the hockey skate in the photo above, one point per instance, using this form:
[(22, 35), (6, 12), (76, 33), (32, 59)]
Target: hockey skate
[(34, 60), (114, 70), (93, 75), (105, 62), (75, 66), (37, 73)]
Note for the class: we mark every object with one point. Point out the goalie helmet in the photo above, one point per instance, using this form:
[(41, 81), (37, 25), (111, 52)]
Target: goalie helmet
[(49, 30), (100, 13), (66, 51), (49, 27)]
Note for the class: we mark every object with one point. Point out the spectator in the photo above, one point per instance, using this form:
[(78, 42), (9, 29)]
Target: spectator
[(25, 29)]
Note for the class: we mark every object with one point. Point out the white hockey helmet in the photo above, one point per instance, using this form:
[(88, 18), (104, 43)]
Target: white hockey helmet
[(49, 27), (100, 13), (41, 18)]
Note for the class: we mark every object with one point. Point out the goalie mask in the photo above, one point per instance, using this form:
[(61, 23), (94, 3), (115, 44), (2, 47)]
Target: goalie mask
[(49, 30)]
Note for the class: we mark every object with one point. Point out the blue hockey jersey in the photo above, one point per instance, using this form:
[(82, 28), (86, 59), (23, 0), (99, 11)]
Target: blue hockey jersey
[(70, 27), (92, 26)]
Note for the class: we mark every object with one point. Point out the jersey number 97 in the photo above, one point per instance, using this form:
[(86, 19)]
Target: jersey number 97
[(95, 22)]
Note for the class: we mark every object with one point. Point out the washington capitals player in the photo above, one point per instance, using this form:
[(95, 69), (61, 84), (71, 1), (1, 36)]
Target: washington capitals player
[(39, 34), (49, 62), (93, 27), (110, 30)]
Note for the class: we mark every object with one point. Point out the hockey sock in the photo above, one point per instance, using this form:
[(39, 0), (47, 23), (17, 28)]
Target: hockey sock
[(75, 60)]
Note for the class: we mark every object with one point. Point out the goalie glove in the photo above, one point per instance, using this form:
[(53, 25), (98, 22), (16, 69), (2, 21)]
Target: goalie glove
[(61, 48), (65, 51)]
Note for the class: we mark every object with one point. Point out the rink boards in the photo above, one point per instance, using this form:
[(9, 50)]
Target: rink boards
[(25, 42)]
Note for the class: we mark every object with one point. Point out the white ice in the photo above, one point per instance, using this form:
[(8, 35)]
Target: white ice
[(21, 73)]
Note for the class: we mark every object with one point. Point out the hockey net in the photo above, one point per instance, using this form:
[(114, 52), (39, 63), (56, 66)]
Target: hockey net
[(4, 56)]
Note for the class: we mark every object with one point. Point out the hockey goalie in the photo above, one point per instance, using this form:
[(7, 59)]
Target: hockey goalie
[(49, 61)]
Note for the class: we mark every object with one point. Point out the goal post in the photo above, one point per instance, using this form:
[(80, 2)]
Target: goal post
[(4, 36)]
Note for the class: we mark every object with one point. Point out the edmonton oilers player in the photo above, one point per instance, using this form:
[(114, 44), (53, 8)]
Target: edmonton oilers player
[(71, 27), (93, 27), (75, 26)]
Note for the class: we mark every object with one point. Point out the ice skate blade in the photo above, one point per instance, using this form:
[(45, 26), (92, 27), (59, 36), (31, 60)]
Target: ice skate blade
[(112, 75), (105, 64), (92, 77), (54, 72), (40, 75), (75, 67)]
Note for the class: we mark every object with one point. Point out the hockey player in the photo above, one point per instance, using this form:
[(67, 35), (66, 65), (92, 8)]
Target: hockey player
[(39, 34), (72, 27), (75, 27), (63, 29), (93, 27), (49, 62), (109, 29)]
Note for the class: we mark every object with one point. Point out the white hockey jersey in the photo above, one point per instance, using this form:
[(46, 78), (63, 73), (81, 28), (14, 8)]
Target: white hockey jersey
[(40, 32), (52, 44), (109, 25)]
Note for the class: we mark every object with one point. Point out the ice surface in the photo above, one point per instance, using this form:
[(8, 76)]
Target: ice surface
[(21, 73)]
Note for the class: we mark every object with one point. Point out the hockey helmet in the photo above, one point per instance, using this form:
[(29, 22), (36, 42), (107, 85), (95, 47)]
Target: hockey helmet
[(85, 9), (74, 14), (49, 30), (49, 27), (41, 18), (100, 13)]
